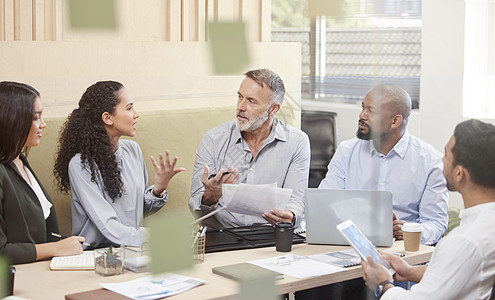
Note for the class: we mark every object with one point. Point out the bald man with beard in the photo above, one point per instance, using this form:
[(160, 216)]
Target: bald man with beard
[(385, 156)]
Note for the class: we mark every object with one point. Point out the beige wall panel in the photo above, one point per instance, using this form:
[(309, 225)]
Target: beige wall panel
[(136, 22), (174, 20), (194, 20), (237, 10), (210, 11), (9, 20), (38, 20), (158, 20), (251, 15), (58, 20), (25, 14), (49, 20), (224, 10), (2, 20), (160, 75), (187, 13), (201, 20), (266, 21)]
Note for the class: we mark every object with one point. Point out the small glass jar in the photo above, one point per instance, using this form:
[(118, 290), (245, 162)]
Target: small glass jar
[(109, 261)]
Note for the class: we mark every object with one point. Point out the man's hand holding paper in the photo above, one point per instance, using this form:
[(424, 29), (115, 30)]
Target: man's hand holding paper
[(268, 201)]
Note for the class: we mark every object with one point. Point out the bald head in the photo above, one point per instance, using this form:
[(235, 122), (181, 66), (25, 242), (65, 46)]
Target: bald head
[(396, 99)]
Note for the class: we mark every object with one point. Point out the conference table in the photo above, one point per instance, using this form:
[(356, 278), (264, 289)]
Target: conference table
[(37, 281)]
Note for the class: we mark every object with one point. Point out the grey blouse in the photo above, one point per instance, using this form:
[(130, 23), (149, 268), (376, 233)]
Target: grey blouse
[(100, 219)]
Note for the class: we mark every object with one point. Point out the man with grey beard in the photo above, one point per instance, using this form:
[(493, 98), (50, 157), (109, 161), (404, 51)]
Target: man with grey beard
[(255, 148)]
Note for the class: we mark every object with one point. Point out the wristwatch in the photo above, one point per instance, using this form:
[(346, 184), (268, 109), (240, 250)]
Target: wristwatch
[(293, 218), (380, 286), (156, 195)]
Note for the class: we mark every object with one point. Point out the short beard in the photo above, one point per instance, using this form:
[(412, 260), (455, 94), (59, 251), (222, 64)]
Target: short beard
[(255, 122), (364, 136)]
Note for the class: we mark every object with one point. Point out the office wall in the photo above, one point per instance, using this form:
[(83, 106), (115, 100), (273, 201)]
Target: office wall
[(159, 75), (150, 20)]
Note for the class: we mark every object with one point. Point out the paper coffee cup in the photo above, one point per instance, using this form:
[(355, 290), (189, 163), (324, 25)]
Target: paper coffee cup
[(412, 236)]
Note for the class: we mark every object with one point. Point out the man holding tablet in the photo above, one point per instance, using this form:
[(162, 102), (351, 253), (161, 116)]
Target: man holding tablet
[(463, 263)]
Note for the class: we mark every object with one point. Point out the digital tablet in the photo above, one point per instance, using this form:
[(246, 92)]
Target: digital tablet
[(361, 244)]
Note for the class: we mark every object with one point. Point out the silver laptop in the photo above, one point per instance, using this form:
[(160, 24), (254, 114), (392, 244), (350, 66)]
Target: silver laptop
[(371, 211)]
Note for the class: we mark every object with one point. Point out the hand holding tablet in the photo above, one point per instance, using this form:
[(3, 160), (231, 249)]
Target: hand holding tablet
[(361, 244)]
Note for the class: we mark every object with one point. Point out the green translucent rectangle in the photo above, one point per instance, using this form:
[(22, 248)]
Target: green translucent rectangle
[(92, 14), (228, 47)]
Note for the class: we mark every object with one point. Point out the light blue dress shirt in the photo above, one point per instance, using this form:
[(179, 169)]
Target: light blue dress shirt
[(283, 158), (99, 218), (412, 171)]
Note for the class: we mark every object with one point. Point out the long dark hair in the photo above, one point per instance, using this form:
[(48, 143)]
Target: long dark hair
[(16, 117), (84, 132)]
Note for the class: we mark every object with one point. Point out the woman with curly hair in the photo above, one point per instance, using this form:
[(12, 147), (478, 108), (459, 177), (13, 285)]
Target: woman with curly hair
[(27, 215), (107, 175)]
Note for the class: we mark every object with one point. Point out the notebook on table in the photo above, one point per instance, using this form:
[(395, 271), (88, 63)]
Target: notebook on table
[(371, 211), (84, 261), (245, 271)]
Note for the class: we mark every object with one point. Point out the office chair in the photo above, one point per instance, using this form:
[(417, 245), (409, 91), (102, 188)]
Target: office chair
[(492, 297), (321, 127)]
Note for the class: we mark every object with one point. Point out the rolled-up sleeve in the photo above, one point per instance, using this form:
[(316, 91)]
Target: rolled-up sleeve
[(204, 157), (434, 205), (297, 177)]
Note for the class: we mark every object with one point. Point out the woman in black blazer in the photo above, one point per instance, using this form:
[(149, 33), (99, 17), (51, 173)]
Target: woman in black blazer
[(27, 215)]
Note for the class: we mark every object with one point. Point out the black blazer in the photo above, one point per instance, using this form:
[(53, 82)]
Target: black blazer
[(22, 224)]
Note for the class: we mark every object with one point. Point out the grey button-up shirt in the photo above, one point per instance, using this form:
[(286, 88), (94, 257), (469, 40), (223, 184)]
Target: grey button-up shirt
[(100, 219), (283, 158)]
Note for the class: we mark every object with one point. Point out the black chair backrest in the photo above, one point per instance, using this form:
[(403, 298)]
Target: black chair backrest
[(321, 127), (492, 297)]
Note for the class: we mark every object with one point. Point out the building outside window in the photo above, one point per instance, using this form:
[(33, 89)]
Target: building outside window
[(373, 42)]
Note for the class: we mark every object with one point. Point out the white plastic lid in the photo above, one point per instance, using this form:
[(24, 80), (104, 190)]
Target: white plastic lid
[(412, 227)]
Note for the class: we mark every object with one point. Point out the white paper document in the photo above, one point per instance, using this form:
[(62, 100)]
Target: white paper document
[(154, 287), (252, 199), (296, 266)]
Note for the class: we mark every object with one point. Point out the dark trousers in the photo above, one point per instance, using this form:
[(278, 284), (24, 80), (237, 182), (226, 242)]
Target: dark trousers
[(354, 289)]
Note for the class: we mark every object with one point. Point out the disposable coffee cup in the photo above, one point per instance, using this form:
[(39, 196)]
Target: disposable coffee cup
[(283, 236), (412, 236)]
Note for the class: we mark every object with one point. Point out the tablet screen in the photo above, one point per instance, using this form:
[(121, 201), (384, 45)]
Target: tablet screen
[(362, 245)]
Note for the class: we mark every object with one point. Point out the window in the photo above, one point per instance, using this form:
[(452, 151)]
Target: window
[(479, 59), (375, 41)]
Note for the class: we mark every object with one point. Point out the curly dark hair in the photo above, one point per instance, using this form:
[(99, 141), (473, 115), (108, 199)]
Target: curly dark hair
[(84, 132)]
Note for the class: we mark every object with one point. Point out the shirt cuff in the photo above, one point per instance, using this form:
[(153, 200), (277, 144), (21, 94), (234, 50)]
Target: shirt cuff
[(207, 209), (164, 195), (393, 293)]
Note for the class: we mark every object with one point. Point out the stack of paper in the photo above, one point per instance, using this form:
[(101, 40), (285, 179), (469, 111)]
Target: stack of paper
[(154, 287), (296, 266)]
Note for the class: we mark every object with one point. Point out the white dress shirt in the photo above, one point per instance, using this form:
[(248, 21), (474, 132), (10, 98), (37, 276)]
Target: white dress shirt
[(412, 171), (463, 263)]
